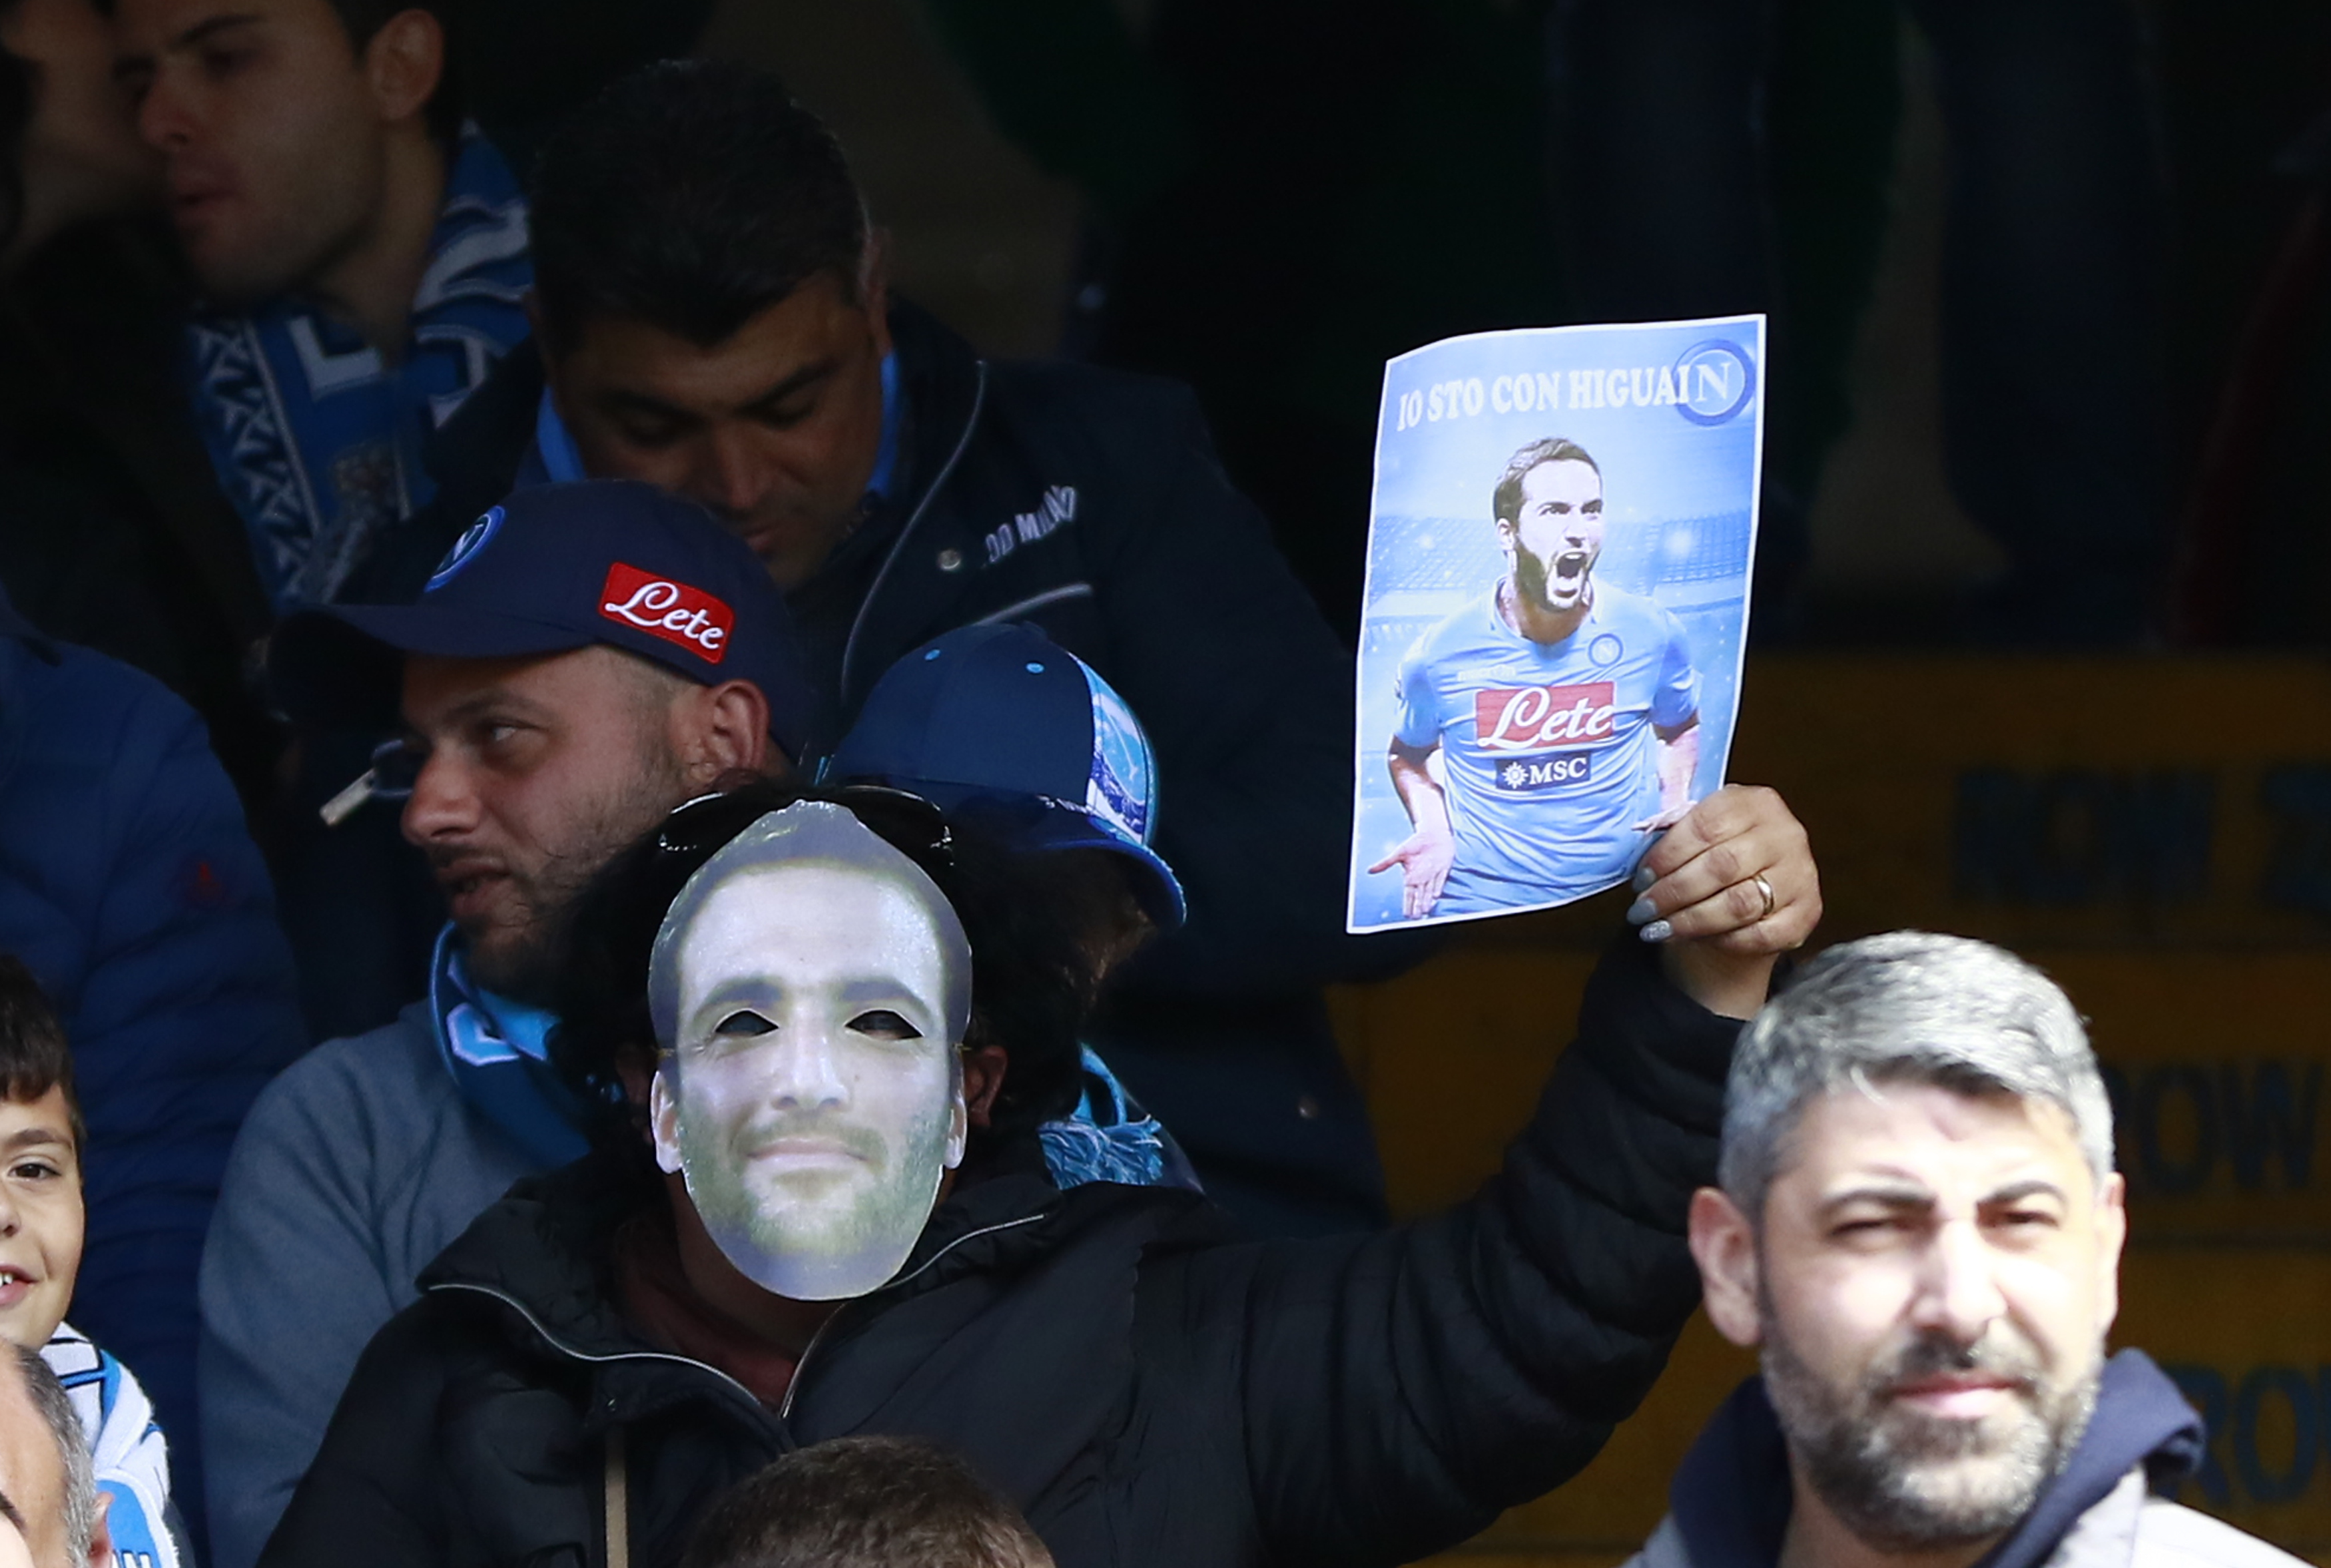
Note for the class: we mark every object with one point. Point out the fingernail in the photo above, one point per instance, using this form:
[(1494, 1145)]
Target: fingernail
[(1644, 877), (1640, 910), (1657, 931)]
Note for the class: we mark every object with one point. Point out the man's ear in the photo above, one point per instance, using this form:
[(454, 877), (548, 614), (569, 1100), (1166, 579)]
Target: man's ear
[(983, 1080), (663, 1122), (404, 62), (101, 1540), (1724, 1245), (725, 728), (2112, 1233)]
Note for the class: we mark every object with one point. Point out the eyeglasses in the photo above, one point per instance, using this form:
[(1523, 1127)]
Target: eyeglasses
[(395, 768), (910, 823)]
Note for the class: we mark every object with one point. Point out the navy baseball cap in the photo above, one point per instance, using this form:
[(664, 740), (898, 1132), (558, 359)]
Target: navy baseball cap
[(1004, 715), (553, 568)]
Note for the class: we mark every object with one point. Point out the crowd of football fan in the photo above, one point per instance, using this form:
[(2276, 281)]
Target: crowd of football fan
[(433, 554)]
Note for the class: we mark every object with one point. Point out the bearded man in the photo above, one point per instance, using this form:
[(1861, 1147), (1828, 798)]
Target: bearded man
[(1919, 1227)]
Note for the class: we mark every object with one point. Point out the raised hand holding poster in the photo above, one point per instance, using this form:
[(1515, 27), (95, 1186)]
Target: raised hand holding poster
[(1559, 551)]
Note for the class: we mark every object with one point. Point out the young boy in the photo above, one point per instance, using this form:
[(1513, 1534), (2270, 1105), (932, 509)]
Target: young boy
[(40, 1223)]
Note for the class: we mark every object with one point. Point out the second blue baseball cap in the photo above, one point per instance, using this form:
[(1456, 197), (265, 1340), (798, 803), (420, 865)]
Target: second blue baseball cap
[(1005, 714), (553, 568)]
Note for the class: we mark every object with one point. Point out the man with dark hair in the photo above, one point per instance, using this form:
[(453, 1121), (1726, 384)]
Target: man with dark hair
[(48, 1487), (715, 318), (362, 259), (1565, 712), (587, 658), (865, 1502), (788, 1002)]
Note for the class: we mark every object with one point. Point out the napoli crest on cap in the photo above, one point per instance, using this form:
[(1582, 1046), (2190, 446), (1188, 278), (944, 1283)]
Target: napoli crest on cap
[(1120, 786), (465, 548)]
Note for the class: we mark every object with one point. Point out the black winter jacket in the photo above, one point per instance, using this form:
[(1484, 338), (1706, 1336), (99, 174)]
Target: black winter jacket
[(1153, 1394), (1090, 503)]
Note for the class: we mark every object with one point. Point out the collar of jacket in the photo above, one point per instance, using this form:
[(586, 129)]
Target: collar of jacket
[(543, 1252), (1730, 1498), (946, 384)]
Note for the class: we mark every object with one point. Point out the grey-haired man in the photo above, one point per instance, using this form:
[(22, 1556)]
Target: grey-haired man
[(48, 1487), (1919, 1228)]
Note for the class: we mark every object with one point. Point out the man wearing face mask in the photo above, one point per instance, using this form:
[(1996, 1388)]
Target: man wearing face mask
[(1919, 1227), (1564, 711), (590, 657), (819, 1206)]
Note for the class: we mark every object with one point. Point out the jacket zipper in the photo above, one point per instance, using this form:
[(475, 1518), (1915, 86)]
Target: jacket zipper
[(898, 544), (801, 1366)]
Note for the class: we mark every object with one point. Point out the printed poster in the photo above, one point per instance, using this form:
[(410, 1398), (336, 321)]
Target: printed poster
[(1559, 551)]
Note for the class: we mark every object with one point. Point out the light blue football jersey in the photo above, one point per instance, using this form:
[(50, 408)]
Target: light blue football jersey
[(1548, 749)]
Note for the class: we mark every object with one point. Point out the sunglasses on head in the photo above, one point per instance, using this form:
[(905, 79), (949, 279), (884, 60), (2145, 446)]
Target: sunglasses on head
[(908, 823)]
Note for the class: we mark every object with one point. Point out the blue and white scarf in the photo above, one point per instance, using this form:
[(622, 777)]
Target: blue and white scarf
[(498, 1051), (129, 1454), (316, 440)]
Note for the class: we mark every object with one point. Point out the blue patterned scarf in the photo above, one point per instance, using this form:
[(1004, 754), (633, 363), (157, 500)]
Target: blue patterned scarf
[(315, 440)]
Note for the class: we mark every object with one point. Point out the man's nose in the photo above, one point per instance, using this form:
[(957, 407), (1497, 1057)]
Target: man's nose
[(164, 120), (1959, 1295), (731, 479), (442, 804), (806, 1071)]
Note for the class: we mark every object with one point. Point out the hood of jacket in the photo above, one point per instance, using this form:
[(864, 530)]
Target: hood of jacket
[(1730, 1498)]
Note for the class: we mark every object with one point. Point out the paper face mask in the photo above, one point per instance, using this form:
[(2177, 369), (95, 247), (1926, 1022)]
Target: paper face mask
[(809, 988)]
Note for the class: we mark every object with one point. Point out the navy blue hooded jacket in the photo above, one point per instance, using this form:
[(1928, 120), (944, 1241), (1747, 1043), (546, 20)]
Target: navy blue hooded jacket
[(130, 887)]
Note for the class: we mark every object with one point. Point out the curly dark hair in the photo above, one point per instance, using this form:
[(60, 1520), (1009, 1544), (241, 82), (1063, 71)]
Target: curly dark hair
[(1029, 919)]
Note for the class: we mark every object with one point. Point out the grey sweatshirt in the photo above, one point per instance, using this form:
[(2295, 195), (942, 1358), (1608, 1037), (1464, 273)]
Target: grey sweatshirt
[(357, 1167)]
